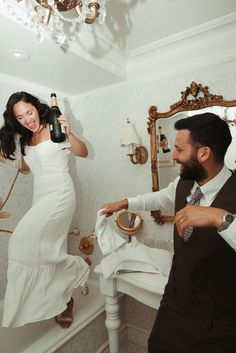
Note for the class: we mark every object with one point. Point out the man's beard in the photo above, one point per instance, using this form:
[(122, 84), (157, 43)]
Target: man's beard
[(192, 170)]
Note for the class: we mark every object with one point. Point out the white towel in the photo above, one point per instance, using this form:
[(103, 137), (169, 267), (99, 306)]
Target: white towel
[(108, 239), (133, 256)]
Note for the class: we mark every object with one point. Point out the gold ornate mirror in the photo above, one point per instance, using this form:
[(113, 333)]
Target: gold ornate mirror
[(129, 222), (195, 97)]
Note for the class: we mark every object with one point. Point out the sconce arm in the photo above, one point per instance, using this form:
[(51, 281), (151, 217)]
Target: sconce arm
[(140, 156)]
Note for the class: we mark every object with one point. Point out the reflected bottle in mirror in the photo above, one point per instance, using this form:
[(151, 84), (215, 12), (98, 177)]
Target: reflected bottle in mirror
[(164, 143)]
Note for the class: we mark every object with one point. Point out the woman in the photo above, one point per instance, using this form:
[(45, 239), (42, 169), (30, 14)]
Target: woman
[(41, 275)]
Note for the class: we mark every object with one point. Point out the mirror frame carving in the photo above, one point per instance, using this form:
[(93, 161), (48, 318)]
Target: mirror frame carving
[(195, 97)]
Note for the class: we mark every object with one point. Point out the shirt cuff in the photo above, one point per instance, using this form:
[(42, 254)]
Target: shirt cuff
[(132, 203), (229, 235)]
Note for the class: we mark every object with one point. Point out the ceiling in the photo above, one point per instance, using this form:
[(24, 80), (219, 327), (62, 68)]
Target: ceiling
[(101, 55)]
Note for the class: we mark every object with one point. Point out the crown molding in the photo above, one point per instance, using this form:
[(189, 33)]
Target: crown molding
[(192, 32), (98, 49), (21, 85), (216, 58), (200, 46), (204, 45), (208, 44)]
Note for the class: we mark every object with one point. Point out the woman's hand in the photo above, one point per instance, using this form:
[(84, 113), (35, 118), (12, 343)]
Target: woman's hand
[(64, 121), (78, 147)]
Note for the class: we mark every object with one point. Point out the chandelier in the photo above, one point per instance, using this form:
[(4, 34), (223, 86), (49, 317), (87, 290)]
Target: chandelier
[(61, 19)]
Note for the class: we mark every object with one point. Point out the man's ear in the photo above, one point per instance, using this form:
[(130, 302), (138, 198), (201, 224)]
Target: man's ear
[(203, 154)]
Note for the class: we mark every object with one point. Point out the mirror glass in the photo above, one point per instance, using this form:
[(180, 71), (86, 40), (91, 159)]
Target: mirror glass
[(196, 99), (129, 222)]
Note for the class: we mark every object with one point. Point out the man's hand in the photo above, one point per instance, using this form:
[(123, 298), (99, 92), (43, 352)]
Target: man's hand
[(109, 208), (198, 216)]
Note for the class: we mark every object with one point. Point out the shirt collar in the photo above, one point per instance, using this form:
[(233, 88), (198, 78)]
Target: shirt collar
[(212, 187)]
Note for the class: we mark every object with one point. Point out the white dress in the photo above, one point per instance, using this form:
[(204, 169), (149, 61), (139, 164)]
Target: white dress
[(41, 275)]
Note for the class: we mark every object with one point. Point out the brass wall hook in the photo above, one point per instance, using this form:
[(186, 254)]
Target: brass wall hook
[(75, 231), (86, 245)]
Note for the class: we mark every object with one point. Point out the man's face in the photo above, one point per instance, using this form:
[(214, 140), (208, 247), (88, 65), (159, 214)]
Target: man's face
[(186, 155)]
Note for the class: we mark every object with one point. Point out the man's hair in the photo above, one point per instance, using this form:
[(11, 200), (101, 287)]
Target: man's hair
[(207, 129)]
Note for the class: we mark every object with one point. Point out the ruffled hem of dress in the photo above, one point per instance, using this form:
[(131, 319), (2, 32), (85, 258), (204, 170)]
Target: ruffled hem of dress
[(32, 293)]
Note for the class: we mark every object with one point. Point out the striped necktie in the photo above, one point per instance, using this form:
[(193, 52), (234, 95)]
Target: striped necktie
[(195, 200)]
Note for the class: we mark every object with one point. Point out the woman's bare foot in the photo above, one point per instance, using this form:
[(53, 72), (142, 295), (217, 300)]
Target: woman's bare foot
[(65, 319)]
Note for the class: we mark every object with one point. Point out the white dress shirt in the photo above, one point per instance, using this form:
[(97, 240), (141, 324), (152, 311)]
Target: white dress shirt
[(164, 200)]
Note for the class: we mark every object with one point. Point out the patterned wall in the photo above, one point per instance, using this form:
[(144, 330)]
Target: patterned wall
[(107, 174)]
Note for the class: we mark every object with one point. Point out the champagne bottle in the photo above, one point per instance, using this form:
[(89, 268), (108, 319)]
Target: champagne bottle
[(56, 133), (163, 137)]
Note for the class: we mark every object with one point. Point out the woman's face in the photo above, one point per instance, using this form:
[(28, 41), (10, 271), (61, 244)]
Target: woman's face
[(27, 116)]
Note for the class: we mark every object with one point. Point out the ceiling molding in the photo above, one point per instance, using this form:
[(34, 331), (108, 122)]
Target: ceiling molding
[(224, 55), (101, 51), (96, 59), (21, 85), (198, 46), (208, 44), (92, 45), (192, 32)]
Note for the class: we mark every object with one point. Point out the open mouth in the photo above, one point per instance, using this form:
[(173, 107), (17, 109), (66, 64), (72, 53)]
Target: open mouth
[(32, 126)]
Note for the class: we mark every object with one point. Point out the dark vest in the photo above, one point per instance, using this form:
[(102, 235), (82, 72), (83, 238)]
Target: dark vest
[(202, 280)]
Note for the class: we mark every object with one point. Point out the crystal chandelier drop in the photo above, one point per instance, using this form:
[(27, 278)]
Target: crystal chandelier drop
[(61, 19)]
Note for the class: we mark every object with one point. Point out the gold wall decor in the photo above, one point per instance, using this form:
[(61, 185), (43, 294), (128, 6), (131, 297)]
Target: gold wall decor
[(86, 245)]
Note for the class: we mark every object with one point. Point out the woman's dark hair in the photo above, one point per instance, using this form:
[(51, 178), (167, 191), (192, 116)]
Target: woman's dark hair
[(207, 129), (12, 127)]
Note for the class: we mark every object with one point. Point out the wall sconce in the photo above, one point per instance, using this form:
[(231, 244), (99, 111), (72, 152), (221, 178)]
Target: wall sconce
[(138, 154), (230, 122)]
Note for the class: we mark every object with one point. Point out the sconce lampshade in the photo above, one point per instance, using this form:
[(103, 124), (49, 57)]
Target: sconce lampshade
[(131, 140), (129, 135)]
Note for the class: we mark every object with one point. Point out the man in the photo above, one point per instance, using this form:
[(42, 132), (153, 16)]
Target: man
[(198, 310)]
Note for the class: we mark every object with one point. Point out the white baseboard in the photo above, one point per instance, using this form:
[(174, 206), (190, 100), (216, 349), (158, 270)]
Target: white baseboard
[(104, 348)]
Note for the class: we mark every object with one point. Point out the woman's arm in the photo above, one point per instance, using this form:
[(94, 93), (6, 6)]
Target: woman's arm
[(78, 147)]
